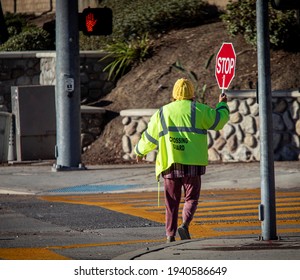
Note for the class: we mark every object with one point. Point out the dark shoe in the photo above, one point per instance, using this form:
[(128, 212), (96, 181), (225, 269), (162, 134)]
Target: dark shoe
[(183, 232), (170, 239)]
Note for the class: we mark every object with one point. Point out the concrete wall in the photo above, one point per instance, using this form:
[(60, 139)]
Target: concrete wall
[(41, 6), (38, 68), (29, 6), (44, 6)]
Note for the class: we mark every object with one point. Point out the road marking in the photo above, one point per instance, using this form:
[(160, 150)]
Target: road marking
[(220, 213), (217, 209), (29, 254), (48, 254)]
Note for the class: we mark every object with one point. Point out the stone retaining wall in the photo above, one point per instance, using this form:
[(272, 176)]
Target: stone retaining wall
[(92, 119), (135, 123), (38, 68), (239, 139)]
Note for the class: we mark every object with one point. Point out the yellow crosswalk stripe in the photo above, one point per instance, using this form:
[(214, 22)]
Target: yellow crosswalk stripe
[(29, 254), (217, 209)]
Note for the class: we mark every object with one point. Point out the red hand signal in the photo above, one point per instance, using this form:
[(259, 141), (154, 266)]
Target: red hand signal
[(90, 22), (95, 21)]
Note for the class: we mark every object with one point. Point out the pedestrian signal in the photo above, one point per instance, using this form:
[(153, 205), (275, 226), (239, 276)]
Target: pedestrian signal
[(96, 21)]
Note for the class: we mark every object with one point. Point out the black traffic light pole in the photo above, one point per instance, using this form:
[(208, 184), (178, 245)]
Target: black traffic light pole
[(267, 208), (67, 90)]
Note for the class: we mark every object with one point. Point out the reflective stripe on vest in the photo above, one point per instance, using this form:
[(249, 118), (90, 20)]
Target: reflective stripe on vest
[(193, 128), (137, 150), (150, 138), (218, 116)]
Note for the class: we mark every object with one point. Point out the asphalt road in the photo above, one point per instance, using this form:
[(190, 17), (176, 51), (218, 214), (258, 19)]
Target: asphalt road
[(32, 228), (61, 217), (105, 226)]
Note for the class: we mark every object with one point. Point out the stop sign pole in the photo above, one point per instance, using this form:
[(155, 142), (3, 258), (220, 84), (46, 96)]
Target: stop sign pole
[(225, 66)]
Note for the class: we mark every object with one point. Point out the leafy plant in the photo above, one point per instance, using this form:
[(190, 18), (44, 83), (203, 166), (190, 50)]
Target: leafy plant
[(24, 36), (31, 39), (240, 18), (160, 16), (17, 21), (199, 92), (133, 18), (126, 54)]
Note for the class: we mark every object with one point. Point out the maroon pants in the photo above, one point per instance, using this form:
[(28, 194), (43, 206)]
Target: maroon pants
[(191, 187)]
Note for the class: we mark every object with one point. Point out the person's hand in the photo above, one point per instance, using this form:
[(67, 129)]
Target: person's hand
[(223, 97), (139, 158)]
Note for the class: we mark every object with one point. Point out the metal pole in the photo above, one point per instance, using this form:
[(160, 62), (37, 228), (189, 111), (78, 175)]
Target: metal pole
[(67, 90), (267, 207)]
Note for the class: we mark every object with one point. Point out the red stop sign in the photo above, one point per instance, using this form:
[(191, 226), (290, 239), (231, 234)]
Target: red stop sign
[(225, 65)]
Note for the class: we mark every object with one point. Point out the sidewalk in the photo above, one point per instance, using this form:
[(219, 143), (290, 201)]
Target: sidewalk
[(38, 178), (232, 248)]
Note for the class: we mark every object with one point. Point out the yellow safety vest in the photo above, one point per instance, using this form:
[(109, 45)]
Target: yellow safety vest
[(179, 131)]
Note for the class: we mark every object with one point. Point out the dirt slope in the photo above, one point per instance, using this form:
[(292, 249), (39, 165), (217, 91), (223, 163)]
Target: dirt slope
[(150, 84)]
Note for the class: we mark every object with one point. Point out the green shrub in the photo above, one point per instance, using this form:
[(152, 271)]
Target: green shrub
[(133, 18), (16, 22), (13, 31), (93, 42), (240, 18), (31, 39), (24, 36), (157, 17)]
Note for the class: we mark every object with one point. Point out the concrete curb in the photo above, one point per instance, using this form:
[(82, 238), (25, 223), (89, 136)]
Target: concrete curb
[(231, 248)]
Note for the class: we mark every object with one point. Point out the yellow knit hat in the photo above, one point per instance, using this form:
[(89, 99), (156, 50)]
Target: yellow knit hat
[(183, 89)]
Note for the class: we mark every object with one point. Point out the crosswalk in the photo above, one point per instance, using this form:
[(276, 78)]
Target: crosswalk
[(220, 212)]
